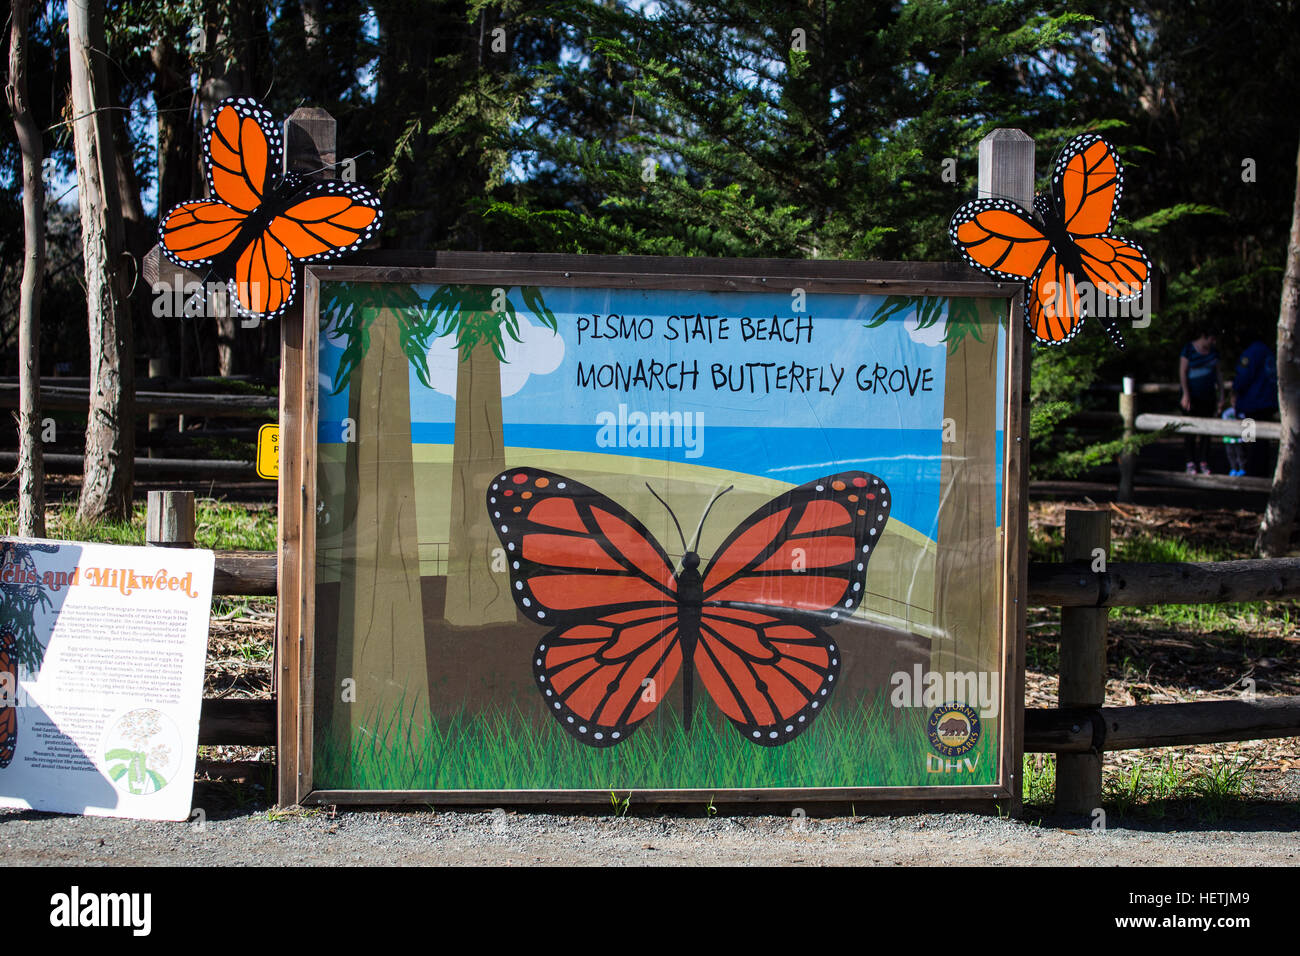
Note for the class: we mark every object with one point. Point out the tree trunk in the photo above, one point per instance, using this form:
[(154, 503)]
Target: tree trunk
[(176, 134), (381, 617), (138, 231), (1279, 518), (31, 458), (110, 427), (313, 27), (475, 593)]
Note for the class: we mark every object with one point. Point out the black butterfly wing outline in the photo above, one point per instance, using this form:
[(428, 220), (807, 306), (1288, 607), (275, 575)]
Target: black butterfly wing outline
[(581, 563), (793, 567), (260, 223)]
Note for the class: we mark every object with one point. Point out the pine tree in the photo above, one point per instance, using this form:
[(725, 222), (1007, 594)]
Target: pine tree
[(769, 129)]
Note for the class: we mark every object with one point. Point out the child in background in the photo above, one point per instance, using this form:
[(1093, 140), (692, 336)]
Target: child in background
[(1198, 373), (1232, 447)]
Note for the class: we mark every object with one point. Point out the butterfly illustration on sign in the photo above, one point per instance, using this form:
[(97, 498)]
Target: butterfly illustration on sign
[(8, 694), (1067, 254), (260, 222), (623, 622)]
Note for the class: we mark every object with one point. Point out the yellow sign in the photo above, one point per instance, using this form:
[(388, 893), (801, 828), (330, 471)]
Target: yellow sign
[(268, 452)]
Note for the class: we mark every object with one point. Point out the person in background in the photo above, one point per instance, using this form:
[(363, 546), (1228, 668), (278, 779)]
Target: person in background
[(1254, 388), (1232, 447), (1198, 373)]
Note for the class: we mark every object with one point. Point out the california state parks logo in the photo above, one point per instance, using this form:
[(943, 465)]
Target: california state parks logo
[(954, 729)]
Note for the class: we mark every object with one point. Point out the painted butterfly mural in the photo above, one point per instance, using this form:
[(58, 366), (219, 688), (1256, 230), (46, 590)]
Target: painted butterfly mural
[(8, 694), (260, 222), (623, 622), (1067, 250)]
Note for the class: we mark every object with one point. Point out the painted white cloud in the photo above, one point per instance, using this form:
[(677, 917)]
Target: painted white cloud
[(539, 352), (932, 336)]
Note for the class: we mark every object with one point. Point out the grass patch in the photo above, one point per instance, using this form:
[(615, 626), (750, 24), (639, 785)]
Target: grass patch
[(862, 744), (1149, 787), (221, 525), (1039, 779)]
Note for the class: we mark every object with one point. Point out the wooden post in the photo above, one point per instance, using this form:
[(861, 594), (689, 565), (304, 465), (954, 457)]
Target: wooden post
[(971, 612), (1083, 660), (169, 522), (310, 143), (1127, 461), (967, 614), (157, 369), (1006, 169)]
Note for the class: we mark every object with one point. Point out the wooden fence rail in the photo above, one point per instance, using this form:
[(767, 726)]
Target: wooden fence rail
[(1079, 730), (227, 470), (1219, 427), (1134, 422), (60, 398)]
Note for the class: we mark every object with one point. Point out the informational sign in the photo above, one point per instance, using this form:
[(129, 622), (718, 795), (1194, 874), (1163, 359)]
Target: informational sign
[(102, 650), (660, 533), (268, 451)]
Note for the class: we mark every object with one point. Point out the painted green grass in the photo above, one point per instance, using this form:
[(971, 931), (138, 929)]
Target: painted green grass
[(867, 744), (223, 525)]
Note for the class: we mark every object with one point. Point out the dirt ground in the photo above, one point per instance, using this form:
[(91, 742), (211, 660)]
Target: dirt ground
[(1258, 834)]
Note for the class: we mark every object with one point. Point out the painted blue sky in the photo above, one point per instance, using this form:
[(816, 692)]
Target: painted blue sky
[(838, 397), (541, 375)]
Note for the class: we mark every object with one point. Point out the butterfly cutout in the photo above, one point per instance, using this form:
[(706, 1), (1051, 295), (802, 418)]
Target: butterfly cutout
[(624, 622), (1067, 250), (8, 694), (260, 223)]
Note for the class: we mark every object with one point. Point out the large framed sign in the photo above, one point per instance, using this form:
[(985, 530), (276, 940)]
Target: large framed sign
[(687, 529)]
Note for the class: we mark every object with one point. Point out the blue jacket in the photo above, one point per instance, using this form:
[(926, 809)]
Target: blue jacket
[(1255, 385)]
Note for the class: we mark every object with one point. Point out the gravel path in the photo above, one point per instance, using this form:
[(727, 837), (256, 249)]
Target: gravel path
[(1262, 834)]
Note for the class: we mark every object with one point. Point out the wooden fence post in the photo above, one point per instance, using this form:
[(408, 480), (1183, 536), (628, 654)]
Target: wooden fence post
[(310, 136), (169, 522), (970, 537), (1083, 660), (1128, 460)]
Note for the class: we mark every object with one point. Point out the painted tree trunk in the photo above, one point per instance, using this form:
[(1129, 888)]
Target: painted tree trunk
[(31, 458), (1280, 515), (476, 594), (966, 572), (381, 615), (110, 432)]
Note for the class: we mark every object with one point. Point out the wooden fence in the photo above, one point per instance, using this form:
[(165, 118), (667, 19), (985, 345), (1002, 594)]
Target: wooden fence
[(1134, 421), (1078, 732), (182, 399)]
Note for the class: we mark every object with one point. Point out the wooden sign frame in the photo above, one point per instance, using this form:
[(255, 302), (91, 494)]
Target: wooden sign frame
[(296, 623)]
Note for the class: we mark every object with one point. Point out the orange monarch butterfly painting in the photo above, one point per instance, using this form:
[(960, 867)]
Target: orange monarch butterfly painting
[(1068, 251), (259, 222), (624, 622)]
